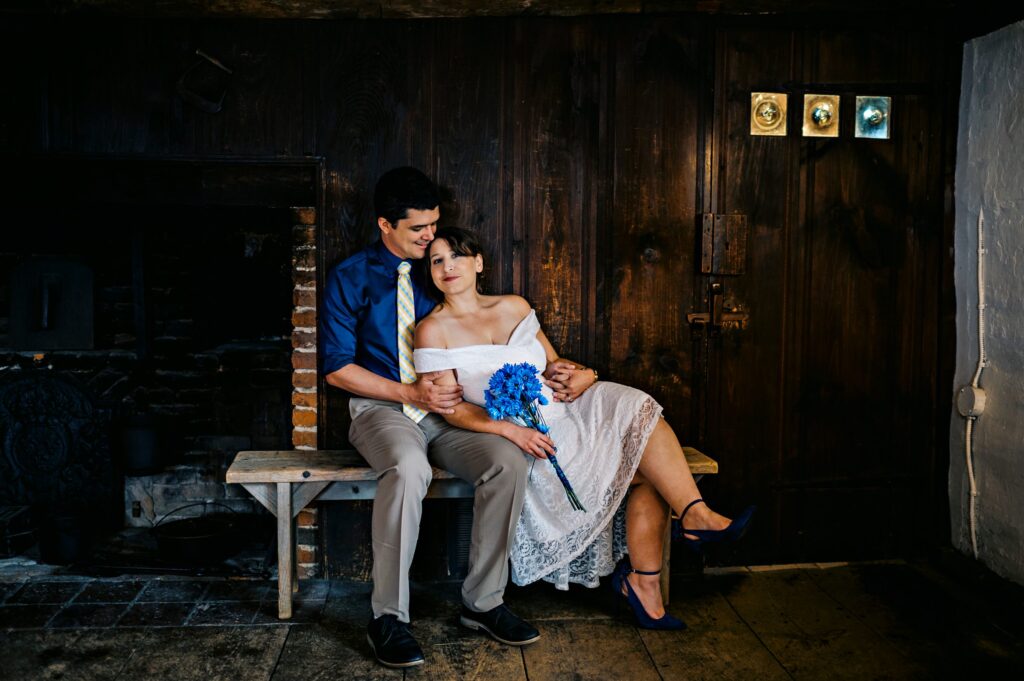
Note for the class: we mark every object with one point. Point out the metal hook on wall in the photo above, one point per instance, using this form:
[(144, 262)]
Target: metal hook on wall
[(190, 95)]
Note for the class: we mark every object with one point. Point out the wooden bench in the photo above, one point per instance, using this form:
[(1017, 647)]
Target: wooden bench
[(285, 482)]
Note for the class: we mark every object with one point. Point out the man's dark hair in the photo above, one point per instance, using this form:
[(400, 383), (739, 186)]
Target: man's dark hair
[(400, 189)]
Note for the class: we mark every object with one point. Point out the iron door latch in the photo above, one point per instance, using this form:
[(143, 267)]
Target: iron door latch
[(718, 318)]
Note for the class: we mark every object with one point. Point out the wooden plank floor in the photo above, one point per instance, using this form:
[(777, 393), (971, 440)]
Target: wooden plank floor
[(869, 621)]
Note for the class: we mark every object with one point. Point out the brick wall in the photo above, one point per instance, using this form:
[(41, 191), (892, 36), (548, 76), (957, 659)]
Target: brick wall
[(304, 374)]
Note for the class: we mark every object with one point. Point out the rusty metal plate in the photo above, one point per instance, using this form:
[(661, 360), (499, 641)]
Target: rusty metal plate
[(723, 244)]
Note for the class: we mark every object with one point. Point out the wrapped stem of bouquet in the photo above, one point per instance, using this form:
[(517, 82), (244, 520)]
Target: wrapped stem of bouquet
[(514, 394)]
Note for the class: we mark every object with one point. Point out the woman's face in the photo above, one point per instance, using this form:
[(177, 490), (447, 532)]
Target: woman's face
[(453, 272)]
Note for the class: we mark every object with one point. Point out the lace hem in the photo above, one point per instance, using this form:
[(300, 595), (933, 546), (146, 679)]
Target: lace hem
[(590, 551)]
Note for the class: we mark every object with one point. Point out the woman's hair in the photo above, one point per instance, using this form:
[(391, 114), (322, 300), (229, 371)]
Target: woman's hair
[(463, 242)]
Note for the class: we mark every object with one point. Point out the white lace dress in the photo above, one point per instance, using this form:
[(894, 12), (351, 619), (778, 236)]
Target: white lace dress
[(600, 437)]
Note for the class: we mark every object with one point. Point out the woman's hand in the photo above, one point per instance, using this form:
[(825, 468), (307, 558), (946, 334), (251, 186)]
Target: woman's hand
[(533, 442), (567, 380)]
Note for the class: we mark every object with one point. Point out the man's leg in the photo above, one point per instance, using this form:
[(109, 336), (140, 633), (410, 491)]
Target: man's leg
[(396, 448), (498, 469)]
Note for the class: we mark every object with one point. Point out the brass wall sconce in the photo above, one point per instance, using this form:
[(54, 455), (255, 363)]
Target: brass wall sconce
[(821, 116), (768, 113), (872, 117)]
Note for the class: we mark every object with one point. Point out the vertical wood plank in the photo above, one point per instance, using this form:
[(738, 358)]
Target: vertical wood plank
[(285, 550), (516, 152), (295, 556), (754, 176), (560, 89), (651, 271), (468, 120)]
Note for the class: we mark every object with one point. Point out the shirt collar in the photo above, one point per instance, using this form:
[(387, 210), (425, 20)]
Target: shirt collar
[(387, 258)]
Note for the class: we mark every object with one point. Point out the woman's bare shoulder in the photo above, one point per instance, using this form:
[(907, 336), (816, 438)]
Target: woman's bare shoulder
[(513, 304), (430, 332)]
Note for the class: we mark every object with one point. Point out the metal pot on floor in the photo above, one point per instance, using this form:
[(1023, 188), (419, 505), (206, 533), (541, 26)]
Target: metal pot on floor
[(200, 540)]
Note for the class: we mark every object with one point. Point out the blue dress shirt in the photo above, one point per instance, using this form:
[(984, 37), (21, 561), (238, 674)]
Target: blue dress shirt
[(359, 320)]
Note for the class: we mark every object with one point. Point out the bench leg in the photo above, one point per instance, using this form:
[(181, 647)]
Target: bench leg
[(295, 560), (666, 552), (666, 558), (285, 550)]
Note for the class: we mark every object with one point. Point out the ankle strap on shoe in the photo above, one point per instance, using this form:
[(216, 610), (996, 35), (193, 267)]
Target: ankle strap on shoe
[(644, 572), (682, 515)]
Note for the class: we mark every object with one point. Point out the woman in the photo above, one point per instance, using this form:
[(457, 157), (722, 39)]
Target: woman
[(611, 439)]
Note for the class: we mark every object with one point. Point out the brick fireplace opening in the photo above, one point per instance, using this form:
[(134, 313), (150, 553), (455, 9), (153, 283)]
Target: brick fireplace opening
[(234, 356), (196, 281)]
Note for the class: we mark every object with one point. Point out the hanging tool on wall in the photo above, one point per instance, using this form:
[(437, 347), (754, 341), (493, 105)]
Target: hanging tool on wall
[(205, 83)]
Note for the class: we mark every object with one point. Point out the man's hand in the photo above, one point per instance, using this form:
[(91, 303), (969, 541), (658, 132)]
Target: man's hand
[(567, 380), (428, 395)]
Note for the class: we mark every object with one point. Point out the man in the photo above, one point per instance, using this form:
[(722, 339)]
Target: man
[(371, 303)]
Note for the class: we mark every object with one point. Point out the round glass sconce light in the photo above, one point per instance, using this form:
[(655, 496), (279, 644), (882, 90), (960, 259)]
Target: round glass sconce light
[(872, 118), (768, 113), (821, 116)]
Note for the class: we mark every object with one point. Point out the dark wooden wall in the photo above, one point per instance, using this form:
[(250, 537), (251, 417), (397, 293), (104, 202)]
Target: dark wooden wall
[(585, 150)]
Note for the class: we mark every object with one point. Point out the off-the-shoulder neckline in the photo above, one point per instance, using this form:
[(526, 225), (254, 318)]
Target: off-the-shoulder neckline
[(511, 335)]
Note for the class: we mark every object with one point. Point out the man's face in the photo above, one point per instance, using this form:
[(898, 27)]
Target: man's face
[(410, 237)]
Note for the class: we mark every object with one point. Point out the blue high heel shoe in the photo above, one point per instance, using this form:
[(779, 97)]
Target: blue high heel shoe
[(666, 622), (736, 529)]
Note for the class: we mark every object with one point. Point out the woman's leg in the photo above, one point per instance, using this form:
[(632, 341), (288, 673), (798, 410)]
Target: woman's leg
[(646, 515), (664, 466), (663, 476)]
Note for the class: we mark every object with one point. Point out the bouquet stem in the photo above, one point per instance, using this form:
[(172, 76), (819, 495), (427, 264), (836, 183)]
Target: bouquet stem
[(513, 393), (574, 501)]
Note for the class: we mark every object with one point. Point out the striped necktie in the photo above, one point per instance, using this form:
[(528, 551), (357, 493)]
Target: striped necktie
[(406, 324)]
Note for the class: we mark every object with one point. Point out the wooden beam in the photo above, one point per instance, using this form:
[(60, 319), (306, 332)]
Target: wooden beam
[(427, 9)]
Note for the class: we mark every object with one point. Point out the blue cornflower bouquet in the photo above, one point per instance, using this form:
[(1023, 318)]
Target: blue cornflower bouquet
[(513, 394)]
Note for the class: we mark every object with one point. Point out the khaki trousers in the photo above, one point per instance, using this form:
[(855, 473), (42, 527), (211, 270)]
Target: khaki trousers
[(401, 452)]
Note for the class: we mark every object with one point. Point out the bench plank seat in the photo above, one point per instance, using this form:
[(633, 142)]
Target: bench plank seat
[(347, 465), (289, 480)]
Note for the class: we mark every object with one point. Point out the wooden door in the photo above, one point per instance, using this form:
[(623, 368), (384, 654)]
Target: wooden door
[(820, 406)]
